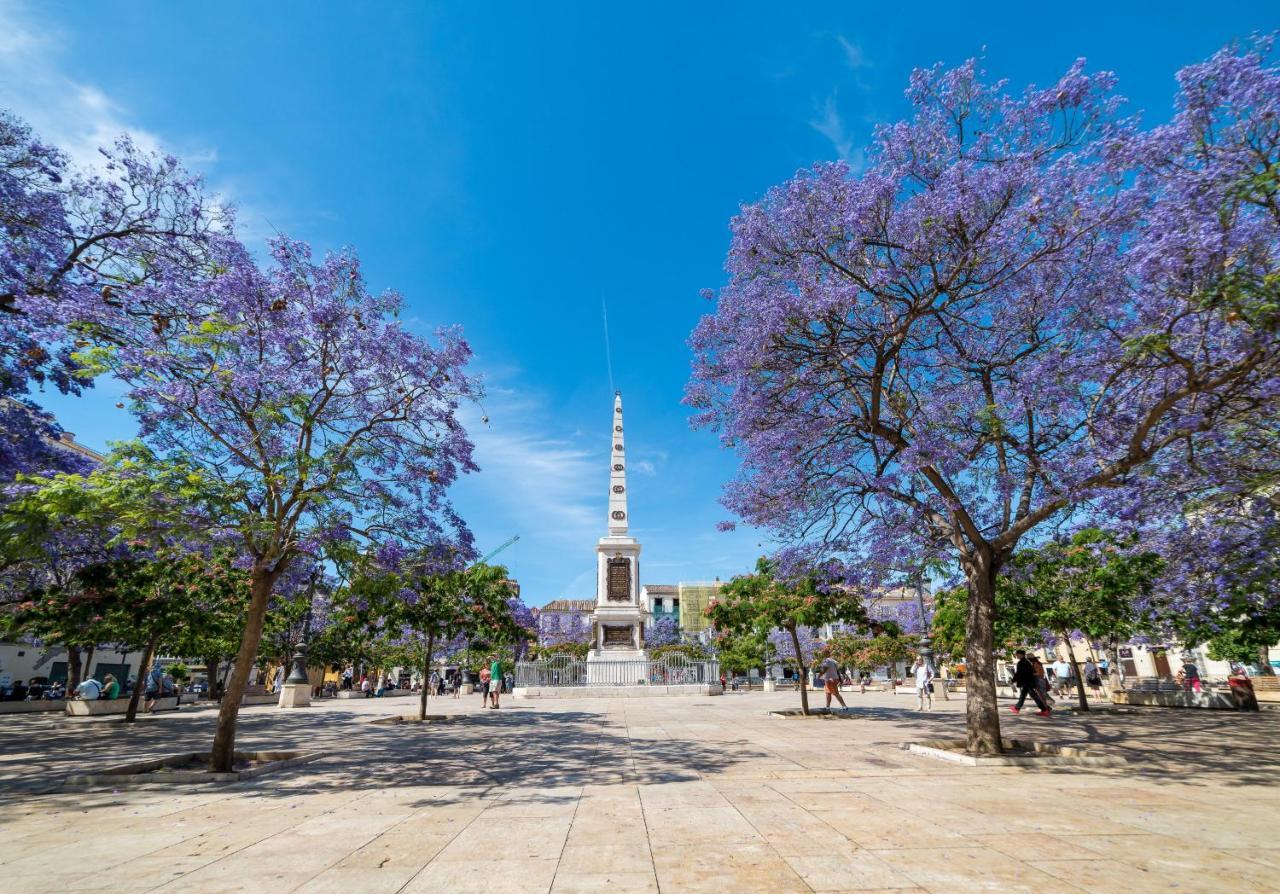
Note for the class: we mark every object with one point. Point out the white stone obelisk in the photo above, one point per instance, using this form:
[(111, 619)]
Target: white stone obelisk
[(617, 624)]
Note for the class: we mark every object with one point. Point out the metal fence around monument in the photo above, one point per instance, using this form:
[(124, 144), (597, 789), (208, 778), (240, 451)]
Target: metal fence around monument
[(669, 670)]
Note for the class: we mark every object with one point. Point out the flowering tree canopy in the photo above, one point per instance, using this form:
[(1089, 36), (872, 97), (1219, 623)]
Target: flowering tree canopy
[(563, 628), (663, 632), (69, 243), (301, 396), (1017, 307), (423, 603)]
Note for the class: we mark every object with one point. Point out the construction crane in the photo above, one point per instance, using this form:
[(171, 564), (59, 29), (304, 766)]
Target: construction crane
[(499, 549)]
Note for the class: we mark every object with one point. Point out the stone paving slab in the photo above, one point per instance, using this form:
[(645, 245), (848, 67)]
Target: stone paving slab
[(679, 794)]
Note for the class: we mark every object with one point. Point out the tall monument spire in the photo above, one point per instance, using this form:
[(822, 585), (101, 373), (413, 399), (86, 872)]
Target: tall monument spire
[(617, 624), (617, 475)]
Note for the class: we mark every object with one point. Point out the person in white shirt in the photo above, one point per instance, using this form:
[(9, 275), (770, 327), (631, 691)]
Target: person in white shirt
[(924, 677), (89, 690), (1062, 677)]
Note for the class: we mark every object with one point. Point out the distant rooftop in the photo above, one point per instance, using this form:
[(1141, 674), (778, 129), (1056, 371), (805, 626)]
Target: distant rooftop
[(570, 605), (660, 589)]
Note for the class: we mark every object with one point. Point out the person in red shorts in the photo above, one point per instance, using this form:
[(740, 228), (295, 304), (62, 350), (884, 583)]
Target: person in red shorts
[(831, 681)]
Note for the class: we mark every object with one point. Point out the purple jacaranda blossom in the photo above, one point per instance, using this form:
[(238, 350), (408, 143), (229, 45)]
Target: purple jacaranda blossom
[(302, 399), (70, 241), (663, 632), (556, 628), (1017, 307)]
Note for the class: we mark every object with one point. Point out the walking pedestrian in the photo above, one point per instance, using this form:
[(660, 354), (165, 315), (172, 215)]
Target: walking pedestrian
[(830, 672), (485, 676), (1024, 678), (1042, 679), (155, 685), (943, 675), (495, 680), (924, 684), (1092, 677)]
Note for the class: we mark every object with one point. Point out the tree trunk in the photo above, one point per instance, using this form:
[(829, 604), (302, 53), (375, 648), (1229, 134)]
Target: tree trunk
[(145, 668), (982, 711), (222, 681), (804, 673), (73, 669), (211, 676), (1114, 681), (222, 756), (1264, 662), (426, 677), (88, 664), (1075, 669)]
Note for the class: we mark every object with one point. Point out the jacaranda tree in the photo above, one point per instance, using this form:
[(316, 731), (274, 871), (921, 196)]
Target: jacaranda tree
[(1015, 308), (70, 242), (299, 394)]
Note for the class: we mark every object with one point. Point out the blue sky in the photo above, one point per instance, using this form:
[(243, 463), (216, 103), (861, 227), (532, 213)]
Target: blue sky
[(510, 167)]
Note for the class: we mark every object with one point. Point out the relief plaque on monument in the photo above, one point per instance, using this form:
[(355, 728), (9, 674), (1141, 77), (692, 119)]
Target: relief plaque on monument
[(619, 580), (616, 635)]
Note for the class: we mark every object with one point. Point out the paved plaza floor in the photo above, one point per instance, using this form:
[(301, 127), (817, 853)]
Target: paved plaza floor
[(675, 794)]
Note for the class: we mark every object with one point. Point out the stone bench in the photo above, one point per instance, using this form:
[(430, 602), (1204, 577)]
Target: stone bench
[(1214, 699), (100, 706)]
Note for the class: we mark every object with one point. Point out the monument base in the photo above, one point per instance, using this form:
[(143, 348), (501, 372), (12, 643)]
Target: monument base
[(295, 695), (617, 667)]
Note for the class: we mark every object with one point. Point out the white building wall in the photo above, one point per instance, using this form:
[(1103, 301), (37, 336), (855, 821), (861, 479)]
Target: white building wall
[(20, 661)]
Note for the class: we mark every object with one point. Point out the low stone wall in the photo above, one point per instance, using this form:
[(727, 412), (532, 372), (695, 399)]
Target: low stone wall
[(388, 693), (98, 707), (41, 705), (1209, 698), (616, 691)]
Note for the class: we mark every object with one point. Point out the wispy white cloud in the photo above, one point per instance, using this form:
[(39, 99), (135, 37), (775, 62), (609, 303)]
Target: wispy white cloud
[(545, 484), (831, 125), (79, 117), (854, 55), (543, 481), (74, 116)]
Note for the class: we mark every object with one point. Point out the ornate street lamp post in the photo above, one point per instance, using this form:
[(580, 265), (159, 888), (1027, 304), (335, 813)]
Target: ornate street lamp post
[(299, 672), (926, 641)]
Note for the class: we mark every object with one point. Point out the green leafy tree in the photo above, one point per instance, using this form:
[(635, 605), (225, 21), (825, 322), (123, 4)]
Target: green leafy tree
[(109, 556), (755, 603), (887, 648), (739, 652), (1248, 640), (1088, 583)]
